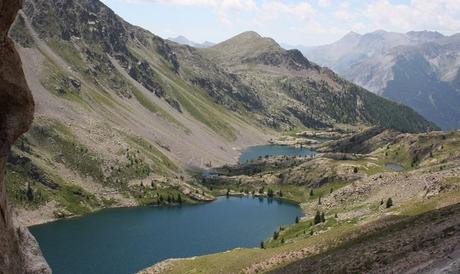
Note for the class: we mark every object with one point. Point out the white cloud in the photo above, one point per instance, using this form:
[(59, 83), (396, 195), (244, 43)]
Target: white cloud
[(324, 3), (264, 11), (221, 4), (323, 21), (277, 9), (441, 15)]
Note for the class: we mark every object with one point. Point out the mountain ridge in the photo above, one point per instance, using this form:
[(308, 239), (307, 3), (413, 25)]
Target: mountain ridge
[(393, 64)]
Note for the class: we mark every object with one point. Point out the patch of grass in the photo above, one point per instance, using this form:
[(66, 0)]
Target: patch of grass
[(16, 187), (57, 82), (162, 164), (149, 195), (453, 180), (76, 200), (64, 147), (32, 184), (68, 52), (150, 106), (102, 98)]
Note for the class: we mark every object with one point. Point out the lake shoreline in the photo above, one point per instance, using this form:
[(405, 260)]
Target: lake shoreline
[(30, 218), (166, 232), (235, 195)]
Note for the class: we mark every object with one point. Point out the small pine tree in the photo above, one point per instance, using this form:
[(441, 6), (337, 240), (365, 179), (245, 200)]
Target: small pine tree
[(179, 198), (281, 193), (311, 232), (336, 216), (311, 192), (381, 202), (262, 245), (317, 218), (323, 218), (297, 219), (29, 193), (270, 193), (275, 235), (355, 170), (282, 240), (331, 190), (389, 203), (23, 147), (228, 193)]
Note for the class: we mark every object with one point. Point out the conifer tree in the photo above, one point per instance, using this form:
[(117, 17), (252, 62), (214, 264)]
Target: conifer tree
[(317, 219), (29, 193), (389, 203)]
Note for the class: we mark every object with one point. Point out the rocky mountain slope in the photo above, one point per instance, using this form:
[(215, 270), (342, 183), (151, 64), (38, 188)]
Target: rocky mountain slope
[(294, 91), (418, 69), (119, 109)]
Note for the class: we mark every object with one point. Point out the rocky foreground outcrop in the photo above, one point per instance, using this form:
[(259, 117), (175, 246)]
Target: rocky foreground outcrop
[(19, 252)]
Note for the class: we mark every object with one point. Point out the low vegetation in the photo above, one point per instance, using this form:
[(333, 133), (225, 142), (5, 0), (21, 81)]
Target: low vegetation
[(365, 210)]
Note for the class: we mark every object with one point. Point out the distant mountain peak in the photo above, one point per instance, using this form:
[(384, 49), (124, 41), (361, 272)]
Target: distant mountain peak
[(248, 35), (352, 34), (425, 35), (350, 37), (246, 44), (185, 41), (379, 31)]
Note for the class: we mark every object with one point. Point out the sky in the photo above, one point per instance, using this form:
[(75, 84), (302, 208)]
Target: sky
[(294, 22)]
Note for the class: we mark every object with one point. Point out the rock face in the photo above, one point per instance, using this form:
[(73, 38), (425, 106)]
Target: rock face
[(19, 252)]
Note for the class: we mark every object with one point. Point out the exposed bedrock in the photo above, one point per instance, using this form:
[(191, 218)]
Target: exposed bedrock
[(19, 251)]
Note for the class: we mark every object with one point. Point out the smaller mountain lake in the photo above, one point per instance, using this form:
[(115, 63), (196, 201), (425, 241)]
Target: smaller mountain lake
[(126, 240), (255, 152), (394, 167)]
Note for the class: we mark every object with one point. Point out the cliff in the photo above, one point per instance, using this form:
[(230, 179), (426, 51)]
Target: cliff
[(19, 252)]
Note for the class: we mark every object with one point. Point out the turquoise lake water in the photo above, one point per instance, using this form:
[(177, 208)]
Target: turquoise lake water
[(255, 152), (126, 240)]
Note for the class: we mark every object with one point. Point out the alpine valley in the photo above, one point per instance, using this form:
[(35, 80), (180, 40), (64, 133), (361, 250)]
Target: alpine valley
[(125, 118)]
